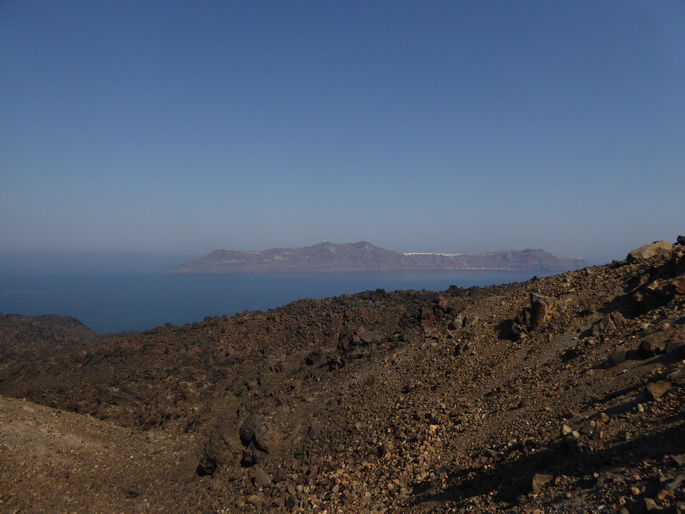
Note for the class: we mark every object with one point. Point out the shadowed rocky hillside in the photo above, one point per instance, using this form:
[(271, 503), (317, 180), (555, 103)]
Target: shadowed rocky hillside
[(562, 394)]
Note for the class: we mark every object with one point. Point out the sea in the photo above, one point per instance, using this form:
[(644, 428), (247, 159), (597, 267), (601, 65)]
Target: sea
[(124, 301)]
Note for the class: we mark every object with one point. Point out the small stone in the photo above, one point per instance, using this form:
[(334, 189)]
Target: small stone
[(617, 356), (674, 484), (650, 505), (650, 347), (314, 431), (255, 500), (566, 430), (588, 427), (540, 480), (657, 389), (653, 285), (677, 376), (280, 476), (663, 494), (678, 285), (635, 491), (679, 459), (261, 478)]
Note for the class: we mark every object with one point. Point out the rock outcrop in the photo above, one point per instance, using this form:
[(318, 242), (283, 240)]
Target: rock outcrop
[(650, 250)]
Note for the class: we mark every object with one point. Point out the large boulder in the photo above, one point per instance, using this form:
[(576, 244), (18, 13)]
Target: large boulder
[(266, 438), (542, 310), (250, 426), (259, 437), (651, 250), (222, 449), (609, 322)]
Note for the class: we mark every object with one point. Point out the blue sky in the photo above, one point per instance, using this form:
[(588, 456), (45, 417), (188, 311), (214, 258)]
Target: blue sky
[(177, 127)]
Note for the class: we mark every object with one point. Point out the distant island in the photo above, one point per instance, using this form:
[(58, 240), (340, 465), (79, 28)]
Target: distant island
[(364, 256)]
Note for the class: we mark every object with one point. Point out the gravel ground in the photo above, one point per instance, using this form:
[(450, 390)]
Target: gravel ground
[(562, 394)]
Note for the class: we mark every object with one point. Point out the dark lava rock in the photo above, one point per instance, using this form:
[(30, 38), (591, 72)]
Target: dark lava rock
[(249, 427), (609, 322), (253, 455), (261, 477), (617, 356), (222, 448), (314, 431), (265, 438), (651, 346), (658, 389)]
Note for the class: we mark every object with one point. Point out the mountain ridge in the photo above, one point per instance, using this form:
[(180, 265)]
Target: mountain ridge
[(365, 256)]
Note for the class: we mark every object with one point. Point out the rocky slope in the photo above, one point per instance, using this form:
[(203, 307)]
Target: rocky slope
[(364, 256), (563, 394)]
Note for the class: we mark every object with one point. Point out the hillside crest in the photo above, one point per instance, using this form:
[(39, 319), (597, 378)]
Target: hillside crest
[(560, 394)]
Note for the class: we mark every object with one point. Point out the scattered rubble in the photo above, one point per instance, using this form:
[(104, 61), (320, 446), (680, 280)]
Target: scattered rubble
[(561, 394)]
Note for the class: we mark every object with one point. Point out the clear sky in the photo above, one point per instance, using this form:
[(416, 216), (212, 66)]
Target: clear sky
[(450, 126)]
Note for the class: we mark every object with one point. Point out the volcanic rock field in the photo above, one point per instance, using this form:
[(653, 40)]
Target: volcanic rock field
[(560, 394)]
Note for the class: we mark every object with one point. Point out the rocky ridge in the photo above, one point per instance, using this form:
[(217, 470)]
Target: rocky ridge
[(364, 256), (561, 394)]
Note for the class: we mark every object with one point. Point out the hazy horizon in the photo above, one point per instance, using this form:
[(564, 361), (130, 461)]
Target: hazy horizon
[(103, 261), (163, 130)]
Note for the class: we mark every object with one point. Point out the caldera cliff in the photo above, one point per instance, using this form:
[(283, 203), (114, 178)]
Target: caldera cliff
[(364, 256)]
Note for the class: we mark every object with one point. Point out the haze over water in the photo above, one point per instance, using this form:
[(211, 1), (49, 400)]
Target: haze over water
[(117, 302)]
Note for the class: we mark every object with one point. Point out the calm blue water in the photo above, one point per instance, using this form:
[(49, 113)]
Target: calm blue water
[(139, 301)]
